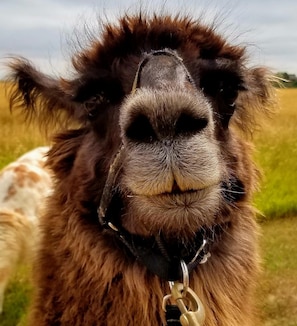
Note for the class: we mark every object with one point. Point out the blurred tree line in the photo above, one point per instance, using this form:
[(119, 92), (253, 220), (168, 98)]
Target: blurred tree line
[(286, 80)]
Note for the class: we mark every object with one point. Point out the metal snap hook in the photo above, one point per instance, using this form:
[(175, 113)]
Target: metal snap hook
[(188, 303)]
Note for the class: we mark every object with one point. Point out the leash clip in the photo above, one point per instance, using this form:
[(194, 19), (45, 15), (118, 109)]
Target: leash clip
[(187, 301), (190, 306)]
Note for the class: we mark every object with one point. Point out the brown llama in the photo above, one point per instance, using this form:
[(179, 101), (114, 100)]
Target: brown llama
[(154, 184)]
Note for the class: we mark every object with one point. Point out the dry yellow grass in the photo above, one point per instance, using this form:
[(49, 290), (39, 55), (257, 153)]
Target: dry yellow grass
[(281, 125), (15, 136)]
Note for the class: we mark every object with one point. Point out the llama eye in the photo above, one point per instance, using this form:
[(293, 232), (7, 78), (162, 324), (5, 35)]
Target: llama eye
[(91, 105), (223, 89), (229, 92), (226, 90), (90, 109), (221, 85)]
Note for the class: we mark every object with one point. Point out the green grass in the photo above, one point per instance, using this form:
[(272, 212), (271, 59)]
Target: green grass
[(276, 153), (277, 292), (17, 298)]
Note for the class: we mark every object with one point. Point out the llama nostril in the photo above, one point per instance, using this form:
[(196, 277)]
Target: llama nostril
[(189, 125), (141, 130)]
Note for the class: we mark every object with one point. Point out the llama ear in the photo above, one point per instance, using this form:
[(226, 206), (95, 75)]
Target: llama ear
[(258, 100), (41, 96), (259, 83)]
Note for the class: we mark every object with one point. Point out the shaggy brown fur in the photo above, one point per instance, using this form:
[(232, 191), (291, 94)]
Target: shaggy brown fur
[(180, 149)]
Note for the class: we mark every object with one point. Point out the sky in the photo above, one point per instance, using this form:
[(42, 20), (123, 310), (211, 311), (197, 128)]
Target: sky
[(40, 30)]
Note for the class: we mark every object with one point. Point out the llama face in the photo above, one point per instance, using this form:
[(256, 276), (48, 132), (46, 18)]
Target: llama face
[(171, 91)]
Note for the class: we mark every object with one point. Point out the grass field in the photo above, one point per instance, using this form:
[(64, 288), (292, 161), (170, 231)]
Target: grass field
[(276, 153), (15, 136)]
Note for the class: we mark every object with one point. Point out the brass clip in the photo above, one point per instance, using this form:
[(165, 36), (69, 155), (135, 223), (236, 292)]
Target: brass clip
[(190, 306)]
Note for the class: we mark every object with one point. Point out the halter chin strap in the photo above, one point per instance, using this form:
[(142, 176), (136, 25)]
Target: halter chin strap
[(160, 257)]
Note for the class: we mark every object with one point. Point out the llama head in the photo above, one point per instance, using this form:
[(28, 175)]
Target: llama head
[(169, 92)]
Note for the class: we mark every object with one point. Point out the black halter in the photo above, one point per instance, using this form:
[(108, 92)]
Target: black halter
[(155, 253), (159, 257)]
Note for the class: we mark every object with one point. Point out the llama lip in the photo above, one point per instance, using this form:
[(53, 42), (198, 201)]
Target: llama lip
[(179, 196), (176, 191), (181, 192), (190, 194)]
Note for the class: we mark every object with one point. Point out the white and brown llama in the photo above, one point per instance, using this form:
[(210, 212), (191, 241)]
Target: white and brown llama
[(24, 185), (155, 184)]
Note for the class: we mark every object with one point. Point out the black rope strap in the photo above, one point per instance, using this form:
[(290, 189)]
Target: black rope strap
[(160, 258), (172, 315)]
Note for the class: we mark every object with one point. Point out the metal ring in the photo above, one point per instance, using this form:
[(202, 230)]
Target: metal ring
[(185, 277), (185, 271)]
